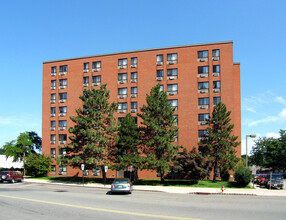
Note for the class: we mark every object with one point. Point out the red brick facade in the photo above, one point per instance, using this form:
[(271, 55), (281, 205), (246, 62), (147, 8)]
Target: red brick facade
[(193, 67)]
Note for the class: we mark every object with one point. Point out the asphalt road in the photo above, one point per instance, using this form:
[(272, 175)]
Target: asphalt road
[(41, 201)]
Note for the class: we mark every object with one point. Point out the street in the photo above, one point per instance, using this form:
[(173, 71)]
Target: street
[(42, 201)]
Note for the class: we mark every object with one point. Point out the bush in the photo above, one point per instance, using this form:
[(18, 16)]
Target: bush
[(37, 165), (225, 175), (242, 176)]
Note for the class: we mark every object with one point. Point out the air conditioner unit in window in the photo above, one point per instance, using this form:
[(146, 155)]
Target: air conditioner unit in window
[(121, 111), (62, 128), (96, 84), (121, 82), (203, 123), (53, 142), (121, 97), (85, 84), (62, 100), (53, 115), (53, 128), (62, 114), (203, 75), (133, 95), (203, 91), (215, 58), (171, 77), (159, 78), (61, 173), (53, 101), (216, 90), (133, 80), (171, 62), (53, 88), (121, 67), (86, 70), (133, 65), (203, 59), (63, 87), (96, 69), (215, 74), (53, 74), (62, 142), (171, 93), (203, 107), (133, 110), (63, 73), (159, 63)]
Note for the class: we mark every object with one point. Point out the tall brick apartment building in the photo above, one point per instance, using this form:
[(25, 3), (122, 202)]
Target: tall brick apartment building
[(195, 77)]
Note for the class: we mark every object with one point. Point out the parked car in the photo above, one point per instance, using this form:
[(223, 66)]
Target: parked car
[(255, 178), (274, 181), (261, 180), (11, 176), (121, 185)]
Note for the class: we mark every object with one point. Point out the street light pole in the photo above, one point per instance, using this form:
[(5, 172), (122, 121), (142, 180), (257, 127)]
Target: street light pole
[(252, 136), (24, 154)]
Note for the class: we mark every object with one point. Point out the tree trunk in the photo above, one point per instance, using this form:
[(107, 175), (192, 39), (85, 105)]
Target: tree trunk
[(103, 174), (215, 171), (162, 177)]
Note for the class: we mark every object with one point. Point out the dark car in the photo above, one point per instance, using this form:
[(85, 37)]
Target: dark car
[(121, 185), (274, 181), (11, 176)]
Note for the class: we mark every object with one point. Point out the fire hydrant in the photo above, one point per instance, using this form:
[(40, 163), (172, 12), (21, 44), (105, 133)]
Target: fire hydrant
[(222, 189)]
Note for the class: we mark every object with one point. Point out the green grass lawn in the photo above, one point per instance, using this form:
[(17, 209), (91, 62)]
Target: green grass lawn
[(152, 182)]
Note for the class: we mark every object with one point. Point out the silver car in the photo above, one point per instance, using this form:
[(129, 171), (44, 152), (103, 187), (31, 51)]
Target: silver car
[(121, 185)]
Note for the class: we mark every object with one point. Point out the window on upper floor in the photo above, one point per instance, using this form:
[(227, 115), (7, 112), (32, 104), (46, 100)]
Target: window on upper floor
[(122, 107), (53, 111), (172, 89), (53, 152), (176, 120), (203, 69), (160, 75), (172, 58), (172, 74), (122, 63), (53, 124), (203, 85), (173, 103), (62, 137), (216, 84), (85, 81), (203, 133), (53, 84), (63, 83), (160, 60), (122, 93), (216, 100), (96, 66), (162, 88), (133, 107), (53, 138), (63, 69), (204, 101), (63, 97), (216, 54), (63, 110), (203, 118), (216, 68), (134, 77), (86, 67), (53, 97), (133, 91), (96, 80), (62, 123), (122, 77), (134, 62), (53, 70), (203, 54)]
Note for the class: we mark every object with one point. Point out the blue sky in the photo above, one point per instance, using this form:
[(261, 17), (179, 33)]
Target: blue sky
[(35, 31)]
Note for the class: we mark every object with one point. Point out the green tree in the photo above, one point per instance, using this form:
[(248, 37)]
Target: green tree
[(158, 132), (126, 152), (219, 144), (93, 133), (37, 165), (26, 143), (242, 175), (193, 164), (2, 151), (270, 152)]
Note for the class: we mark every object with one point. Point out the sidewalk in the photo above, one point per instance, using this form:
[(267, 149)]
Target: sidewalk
[(169, 189)]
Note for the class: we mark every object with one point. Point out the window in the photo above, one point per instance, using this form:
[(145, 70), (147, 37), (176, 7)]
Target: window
[(133, 107), (203, 85), (204, 101), (216, 84), (96, 80), (176, 120), (53, 125), (53, 84), (133, 62), (53, 111), (96, 66), (53, 70), (53, 170), (85, 81), (216, 100), (53, 138), (203, 69), (122, 63), (204, 117), (134, 77), (173, 103), (63, 83), (62, 170), (63, 97), (160, 74), (216, 53), (133, 92), (216, 68), (53, 152), (160, 59), (63, 110), (203, 54), (162, 88), (86, 67), (172, 89), (63, 69), (62, 152), (62, 138), (122, 77), (122, 93), (203, 133), (172, 58), (62, 123), (122, 107), (53, 98), (172, 73)]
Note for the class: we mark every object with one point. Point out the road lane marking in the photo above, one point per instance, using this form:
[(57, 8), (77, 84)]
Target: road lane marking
[(99, 209)]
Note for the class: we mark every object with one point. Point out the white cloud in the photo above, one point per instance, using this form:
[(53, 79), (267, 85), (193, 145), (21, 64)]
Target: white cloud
[(272, 134), (250, 109), (280, 118), (280, 100)]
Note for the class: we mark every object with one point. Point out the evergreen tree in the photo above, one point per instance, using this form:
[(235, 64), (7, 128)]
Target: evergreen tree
[(158, 132), (93, 133), (219, 144), (126, 152)]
